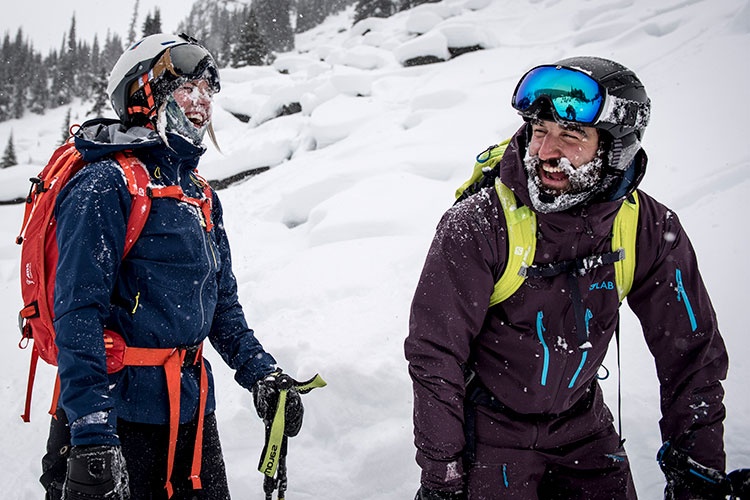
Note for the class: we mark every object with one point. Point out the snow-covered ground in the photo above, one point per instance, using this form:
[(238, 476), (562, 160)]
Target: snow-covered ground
[(329, 243)]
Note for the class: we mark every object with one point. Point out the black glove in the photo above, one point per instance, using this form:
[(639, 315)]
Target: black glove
[(96, 473), (428, 494), (266, 397), (740, 480), (688, 479)]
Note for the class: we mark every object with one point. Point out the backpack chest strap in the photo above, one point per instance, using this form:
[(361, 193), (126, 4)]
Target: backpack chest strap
[(205, 204)]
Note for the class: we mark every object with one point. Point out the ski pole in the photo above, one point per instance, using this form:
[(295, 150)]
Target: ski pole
[(273, 458)]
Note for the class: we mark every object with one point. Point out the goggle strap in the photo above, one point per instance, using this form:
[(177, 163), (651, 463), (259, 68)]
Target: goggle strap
[(626, 112)]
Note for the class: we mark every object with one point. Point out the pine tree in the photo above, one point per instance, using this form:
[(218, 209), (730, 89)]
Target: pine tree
[(274, 22), (112, 50), (99, 92), (66, 127), (157, 20), (152, 24), (133, 21), (39, 90), (251, 48), (9, 157), (310, 13)]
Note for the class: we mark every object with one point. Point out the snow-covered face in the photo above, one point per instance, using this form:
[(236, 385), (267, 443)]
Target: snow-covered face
[(195, 97), (564, 156), (187, 111)]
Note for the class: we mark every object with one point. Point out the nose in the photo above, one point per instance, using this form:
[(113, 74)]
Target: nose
[(550, 148)]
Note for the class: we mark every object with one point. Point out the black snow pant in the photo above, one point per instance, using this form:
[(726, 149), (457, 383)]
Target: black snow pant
[(573, 455), (144, 447)]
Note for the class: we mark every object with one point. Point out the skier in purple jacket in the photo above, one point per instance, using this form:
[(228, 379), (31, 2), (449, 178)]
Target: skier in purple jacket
[(506, 399)]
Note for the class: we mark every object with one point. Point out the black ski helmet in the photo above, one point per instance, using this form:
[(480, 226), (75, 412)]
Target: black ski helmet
[(625, 112)]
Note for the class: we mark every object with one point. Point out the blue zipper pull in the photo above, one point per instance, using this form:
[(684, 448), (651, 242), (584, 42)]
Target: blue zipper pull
[(539, 329), (682, 294)]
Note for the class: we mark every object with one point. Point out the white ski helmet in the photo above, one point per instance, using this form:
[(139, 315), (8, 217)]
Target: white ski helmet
[(151, 69)]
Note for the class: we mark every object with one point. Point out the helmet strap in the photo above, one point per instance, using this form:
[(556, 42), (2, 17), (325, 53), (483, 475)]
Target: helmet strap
[(149, 111)]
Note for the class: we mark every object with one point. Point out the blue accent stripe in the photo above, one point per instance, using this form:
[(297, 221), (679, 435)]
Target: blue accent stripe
[(705, 478), (682, 295), (584, 353), (505, 475), (539, 329), (578, 371)]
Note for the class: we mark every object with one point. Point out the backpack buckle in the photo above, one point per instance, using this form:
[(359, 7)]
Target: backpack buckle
[(191, 354)]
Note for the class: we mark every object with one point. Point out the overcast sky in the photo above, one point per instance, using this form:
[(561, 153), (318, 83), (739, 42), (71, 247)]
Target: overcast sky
[(45, 21)]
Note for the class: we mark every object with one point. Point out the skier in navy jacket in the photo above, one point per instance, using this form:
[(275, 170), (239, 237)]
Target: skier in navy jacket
[(174, 289)]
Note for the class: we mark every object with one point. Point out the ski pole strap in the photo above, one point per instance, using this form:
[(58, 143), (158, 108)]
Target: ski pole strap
[(272, 451)]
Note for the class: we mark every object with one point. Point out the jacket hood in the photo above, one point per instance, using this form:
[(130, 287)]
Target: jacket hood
[(102, 137), (513, 173)]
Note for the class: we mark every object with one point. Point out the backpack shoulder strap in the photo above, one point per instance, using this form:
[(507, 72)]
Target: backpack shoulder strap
[(138, 179), (521, 223), (487, 159), (624, 232)]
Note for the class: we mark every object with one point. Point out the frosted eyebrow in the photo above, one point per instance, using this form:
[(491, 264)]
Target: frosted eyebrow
[(575, 128)]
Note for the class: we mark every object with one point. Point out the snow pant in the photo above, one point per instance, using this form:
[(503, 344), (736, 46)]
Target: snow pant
[(144, 447), (575, 454)]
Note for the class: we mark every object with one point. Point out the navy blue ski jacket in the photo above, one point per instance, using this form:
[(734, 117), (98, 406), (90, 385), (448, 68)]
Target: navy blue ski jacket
[(174, 288)]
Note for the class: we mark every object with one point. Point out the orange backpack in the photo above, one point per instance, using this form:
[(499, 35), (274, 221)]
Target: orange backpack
[(39, 250)]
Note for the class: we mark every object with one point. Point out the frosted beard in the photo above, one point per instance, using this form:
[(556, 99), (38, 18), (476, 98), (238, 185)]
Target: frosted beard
[(583, 181), (172, 119)]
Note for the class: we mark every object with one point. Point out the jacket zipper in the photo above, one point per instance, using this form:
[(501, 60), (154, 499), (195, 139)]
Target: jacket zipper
[(584, 353), (539, 330), (682, 296), (206, 247)]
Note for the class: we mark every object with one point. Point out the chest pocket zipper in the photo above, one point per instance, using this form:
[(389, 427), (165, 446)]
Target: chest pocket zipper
[(682, 296), (539, 330)]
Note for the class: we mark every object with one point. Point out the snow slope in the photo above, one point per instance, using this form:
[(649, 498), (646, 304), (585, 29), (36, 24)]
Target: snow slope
[(329, 243)]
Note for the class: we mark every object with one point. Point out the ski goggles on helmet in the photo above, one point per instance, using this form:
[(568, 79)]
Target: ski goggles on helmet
[(190, 61), (572, 94)]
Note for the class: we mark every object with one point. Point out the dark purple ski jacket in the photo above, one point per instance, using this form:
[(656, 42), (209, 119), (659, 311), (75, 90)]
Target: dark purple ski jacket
[(525, 350)]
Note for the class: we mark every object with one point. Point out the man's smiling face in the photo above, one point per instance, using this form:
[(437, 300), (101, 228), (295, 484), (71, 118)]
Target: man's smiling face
[(552, 142)]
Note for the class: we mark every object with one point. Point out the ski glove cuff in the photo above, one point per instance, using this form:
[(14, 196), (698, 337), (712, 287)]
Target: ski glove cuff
[(688, 479), (96, 472), (266, 396)]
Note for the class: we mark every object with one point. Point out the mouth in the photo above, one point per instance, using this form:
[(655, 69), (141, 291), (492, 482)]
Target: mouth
[(553, 176), (197, 118)]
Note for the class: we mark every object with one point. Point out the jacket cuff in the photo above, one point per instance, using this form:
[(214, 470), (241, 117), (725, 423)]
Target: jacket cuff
[(95, 428), (441, 476), (255, 369)]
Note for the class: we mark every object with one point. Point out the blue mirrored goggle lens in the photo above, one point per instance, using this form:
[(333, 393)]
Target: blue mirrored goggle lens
[(574, 95)]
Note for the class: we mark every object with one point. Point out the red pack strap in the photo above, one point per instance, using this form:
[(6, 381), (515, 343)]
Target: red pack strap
[(205, 205), (138, 179), (172, 360), (55, 397), (29, 386)]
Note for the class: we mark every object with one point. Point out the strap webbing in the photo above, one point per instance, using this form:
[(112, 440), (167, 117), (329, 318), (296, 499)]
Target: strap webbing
[(521, 224), (205, 205), (172, 360), (624, 232)]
